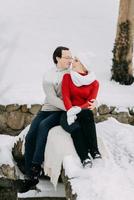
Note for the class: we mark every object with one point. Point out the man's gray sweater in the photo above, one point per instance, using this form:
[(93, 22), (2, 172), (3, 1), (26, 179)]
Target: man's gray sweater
[(52, 88)]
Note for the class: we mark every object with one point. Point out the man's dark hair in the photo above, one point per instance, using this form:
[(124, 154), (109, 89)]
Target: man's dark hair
[(58, 53)]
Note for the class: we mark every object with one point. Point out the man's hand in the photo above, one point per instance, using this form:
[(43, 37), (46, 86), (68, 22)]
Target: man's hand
[(92, 104)]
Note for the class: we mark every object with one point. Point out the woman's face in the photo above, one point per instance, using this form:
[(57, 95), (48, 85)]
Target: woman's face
[(76, 64)]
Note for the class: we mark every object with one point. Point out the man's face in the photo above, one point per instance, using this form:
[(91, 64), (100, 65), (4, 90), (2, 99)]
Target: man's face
[(65, 60)]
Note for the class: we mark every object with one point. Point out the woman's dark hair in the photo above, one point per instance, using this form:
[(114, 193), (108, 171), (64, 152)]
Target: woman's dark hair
[(58, 53)]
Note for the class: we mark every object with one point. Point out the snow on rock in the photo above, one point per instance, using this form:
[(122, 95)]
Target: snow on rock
[(21, 136), (6, 144), (7, 163), (45, 189)]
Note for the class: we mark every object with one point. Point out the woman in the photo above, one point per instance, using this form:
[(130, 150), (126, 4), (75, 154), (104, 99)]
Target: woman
[(79, 91)]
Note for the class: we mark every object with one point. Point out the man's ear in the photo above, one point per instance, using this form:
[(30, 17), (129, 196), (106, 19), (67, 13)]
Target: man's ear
[(57, 58)]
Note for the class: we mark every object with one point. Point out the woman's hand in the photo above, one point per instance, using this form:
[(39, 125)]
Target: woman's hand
[(71, 114), (74, 110), (92, 104), (71, 119)]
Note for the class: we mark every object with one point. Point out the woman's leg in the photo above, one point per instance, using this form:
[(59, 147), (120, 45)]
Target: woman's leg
[(86, 120), (77, 136)]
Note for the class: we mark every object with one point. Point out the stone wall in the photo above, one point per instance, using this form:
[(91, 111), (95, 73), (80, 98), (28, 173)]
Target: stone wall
[(14, 117)]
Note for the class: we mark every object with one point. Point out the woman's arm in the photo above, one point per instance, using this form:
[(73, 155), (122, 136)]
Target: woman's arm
[(71, 110), (94, 90), (93, 94)]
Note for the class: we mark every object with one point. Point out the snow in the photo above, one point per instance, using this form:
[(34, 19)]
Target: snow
[(45, 189), (111, 178), (6, 143), (30, 31)]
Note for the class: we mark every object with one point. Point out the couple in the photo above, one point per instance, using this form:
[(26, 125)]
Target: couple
[(70, 91)]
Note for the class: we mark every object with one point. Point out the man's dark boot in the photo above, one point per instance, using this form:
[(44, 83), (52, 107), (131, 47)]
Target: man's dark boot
[(35, 171), (26, 184), (30, 180)]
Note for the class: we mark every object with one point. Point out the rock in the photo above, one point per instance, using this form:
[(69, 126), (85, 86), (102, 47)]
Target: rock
[(103, 109), (102, 118), (131, 111), (17, 150), (3, 121), (95, 111), (4, 129), (35, 108), (18, 155), (8, 192), (28, 119), (123, 117), (112, 109), (24, 108), (15, 120), (7, 171), (68, 189), (12, 107), (131, 120), (2, 109)]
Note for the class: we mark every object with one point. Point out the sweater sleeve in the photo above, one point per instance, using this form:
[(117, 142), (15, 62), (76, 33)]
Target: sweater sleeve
[(66, 92), (52, 98), (93, 94)]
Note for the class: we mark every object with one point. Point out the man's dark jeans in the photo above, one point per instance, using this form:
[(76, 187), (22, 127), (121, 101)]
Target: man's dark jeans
[(83, 133), (37, 136)]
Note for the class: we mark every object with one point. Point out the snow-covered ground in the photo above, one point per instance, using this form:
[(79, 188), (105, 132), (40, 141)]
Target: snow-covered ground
[(45, 189), (111, 178)]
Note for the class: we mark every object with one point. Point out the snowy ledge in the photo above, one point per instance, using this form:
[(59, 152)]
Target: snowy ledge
[(14, 118), (116, 145)]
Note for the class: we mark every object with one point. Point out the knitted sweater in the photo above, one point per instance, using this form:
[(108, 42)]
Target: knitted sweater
[(78, 96), (52, 88)]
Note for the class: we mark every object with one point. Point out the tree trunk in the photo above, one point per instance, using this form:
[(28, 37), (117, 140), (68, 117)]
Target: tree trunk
[(122, 67)]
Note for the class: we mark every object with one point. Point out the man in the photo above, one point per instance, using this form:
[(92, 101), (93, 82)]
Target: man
[(47, 118)]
